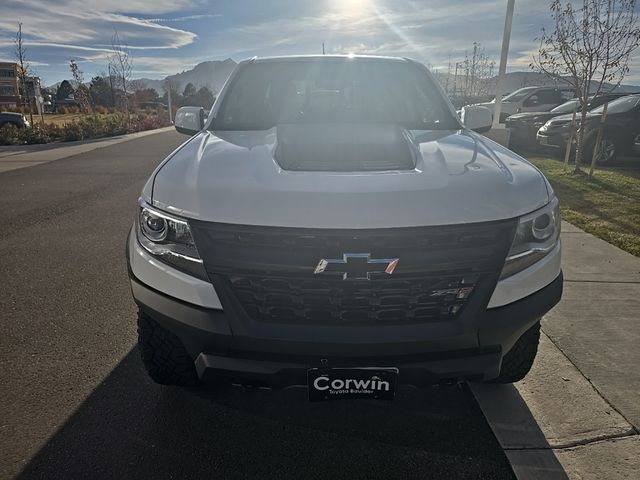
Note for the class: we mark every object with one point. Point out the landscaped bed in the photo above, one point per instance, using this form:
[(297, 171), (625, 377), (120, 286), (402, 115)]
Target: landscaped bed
[(72, 127), (607, 205)]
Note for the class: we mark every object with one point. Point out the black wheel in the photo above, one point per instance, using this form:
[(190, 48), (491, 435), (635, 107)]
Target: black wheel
[(518, 361), (163, 355), (606, 153)]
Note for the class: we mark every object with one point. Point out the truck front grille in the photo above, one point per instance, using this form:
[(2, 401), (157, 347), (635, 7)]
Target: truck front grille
[(380, 301), (269, 271)]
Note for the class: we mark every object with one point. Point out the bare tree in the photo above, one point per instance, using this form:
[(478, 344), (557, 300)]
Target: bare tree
[(24, 70), (478, 69), (120, 66), (81, 94), (589, 47)]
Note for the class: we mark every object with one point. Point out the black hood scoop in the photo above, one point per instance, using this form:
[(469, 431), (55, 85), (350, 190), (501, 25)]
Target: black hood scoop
[(344, 148)]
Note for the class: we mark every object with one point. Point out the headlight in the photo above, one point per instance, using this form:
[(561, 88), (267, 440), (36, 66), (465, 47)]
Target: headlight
[(537, 234), (168, 238), (567, 124)]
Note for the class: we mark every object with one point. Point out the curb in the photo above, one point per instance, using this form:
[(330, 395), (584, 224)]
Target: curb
[(554, 424)]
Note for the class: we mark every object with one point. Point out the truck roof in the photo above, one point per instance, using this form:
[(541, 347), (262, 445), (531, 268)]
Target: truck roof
[(294, 58)]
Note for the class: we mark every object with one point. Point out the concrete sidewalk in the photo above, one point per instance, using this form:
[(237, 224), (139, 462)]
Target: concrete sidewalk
[(597, 324), (21, 156), (577, 413)]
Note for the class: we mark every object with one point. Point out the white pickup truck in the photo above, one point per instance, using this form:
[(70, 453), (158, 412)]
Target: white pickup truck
[(531, 99), (333, 224)]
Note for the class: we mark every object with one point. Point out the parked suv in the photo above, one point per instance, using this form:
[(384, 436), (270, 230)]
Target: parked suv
[(532, 99), (620, 136), (18, 120), (332, 224), (525, 126)]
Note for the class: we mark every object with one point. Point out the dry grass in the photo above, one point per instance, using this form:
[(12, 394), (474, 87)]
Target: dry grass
[(61, 118), (607, 206)]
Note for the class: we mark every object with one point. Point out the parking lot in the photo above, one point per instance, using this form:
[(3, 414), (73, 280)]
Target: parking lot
[(77, 403)]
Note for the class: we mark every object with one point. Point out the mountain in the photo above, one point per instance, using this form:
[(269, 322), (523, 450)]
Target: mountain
[(210, 74)]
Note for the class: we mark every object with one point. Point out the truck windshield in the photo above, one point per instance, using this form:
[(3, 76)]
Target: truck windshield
[(518, 94), (567, 107), (333, 90)]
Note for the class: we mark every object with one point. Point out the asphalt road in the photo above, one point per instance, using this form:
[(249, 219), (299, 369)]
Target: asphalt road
[(76, 403)]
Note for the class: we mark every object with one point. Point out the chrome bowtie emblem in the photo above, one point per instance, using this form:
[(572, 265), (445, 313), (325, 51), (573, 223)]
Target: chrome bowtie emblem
[(356, 266)]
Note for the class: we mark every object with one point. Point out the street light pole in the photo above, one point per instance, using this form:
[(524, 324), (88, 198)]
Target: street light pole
[(168, 87), (506, 36)]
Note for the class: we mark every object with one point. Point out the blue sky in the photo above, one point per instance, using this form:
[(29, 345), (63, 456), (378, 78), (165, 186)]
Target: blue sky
[(168, 36)]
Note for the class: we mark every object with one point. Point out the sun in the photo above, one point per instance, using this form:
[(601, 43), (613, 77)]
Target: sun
[(350, 6)]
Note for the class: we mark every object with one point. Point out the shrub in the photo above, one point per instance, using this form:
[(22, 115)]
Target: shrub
[(147, 123), (71, 132), (35, 134), (87, 127), (54, 132), (10, 135), (115, 125), (91, 127)]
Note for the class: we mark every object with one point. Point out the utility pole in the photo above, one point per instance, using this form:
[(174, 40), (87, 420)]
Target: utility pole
[(113, 97), (169, 101), (506, 37), (474, 63), (455, 80), (323, 48), (39, 103), (466, 75), (446, 88)]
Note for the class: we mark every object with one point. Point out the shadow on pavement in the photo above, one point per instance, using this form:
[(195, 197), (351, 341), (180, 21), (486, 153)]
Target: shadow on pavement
[(518, 432), (132, 428)]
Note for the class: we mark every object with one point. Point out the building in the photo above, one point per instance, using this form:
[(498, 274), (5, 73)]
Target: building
[(9, 89), (11, 95)]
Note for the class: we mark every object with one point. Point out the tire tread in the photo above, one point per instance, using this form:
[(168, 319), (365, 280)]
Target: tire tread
[(163, 355), (517, 363)]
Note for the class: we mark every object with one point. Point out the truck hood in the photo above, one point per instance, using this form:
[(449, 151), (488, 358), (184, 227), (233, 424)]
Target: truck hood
[(506, 107), (568, 116), (459, 177)]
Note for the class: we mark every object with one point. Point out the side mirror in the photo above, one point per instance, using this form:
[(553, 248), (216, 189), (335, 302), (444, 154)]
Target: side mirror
[(189, 120), (476, 118)]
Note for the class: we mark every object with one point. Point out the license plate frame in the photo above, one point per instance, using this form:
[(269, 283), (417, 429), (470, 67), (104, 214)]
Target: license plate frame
[(335, 383)]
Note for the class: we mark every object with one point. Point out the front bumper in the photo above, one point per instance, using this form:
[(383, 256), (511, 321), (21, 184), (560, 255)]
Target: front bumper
[(522, 134), (552, 139), (276, 362)]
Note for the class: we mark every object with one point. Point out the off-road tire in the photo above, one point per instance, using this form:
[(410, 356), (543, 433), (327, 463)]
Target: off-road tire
[(518, 361), (163, 355)]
